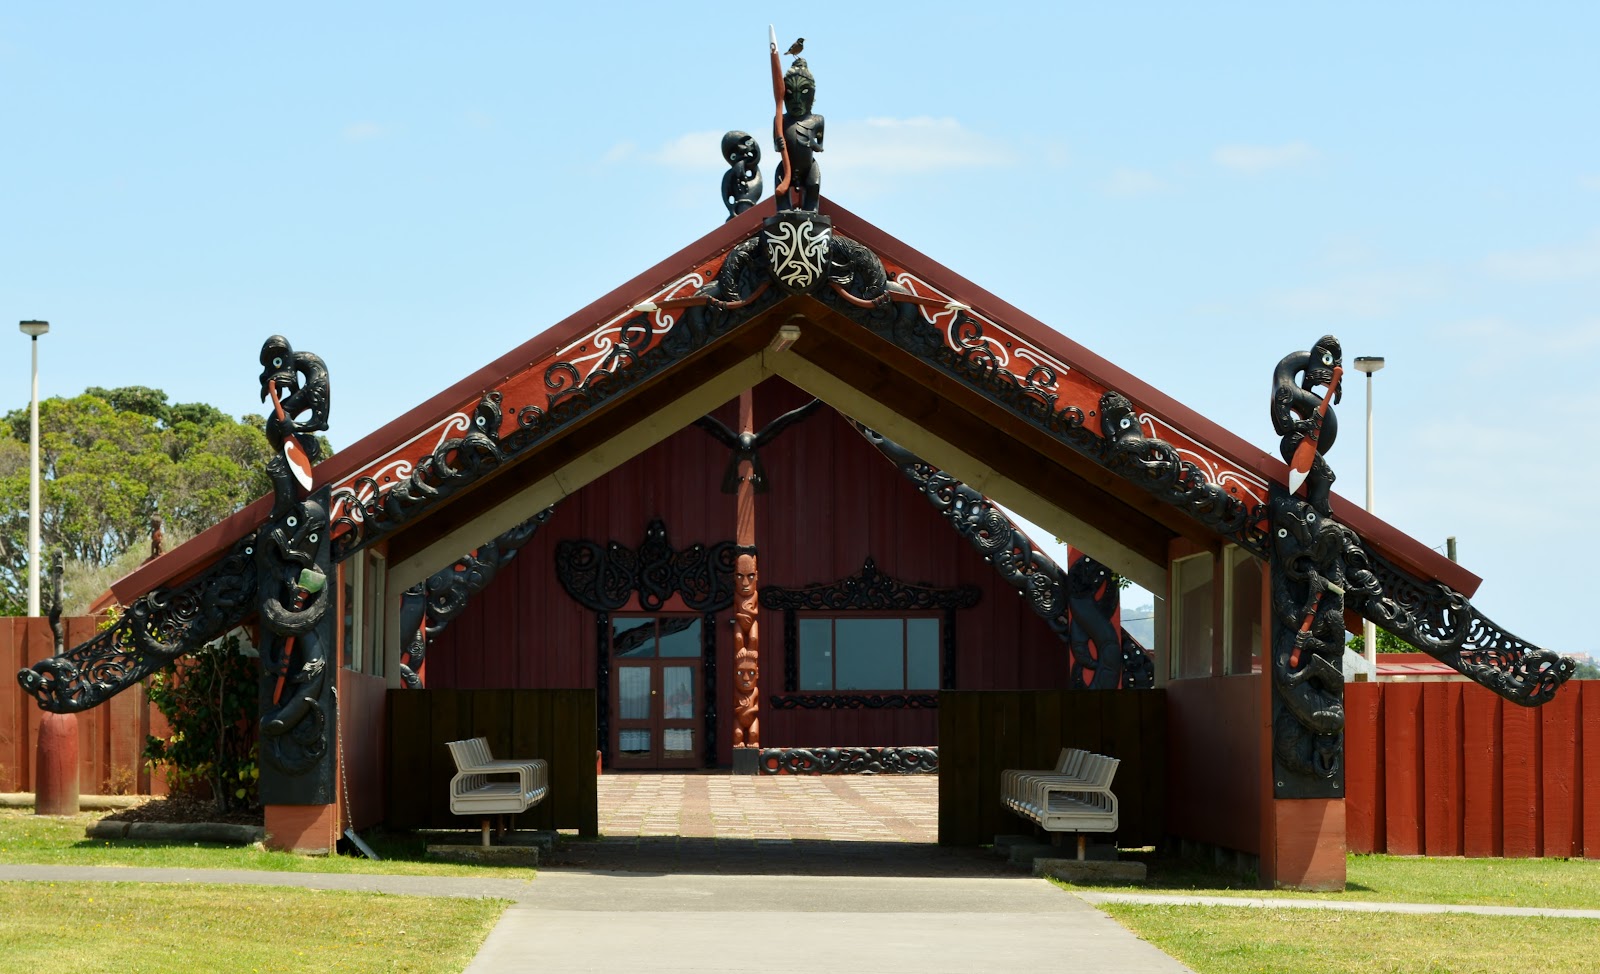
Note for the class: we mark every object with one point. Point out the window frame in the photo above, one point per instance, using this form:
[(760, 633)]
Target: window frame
[(904, 618)]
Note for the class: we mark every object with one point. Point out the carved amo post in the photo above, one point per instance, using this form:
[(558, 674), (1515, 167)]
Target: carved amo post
[(747, 633)]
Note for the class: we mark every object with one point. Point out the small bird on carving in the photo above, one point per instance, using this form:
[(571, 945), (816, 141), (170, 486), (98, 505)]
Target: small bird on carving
[(796, 47)]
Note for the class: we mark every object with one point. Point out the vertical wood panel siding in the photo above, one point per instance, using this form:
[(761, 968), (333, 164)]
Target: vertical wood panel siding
[(556, 725), (982, 733), (834, 501), (1462, 773)]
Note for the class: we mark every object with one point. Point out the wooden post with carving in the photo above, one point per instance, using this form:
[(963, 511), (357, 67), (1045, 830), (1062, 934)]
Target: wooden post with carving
[(746, 635)]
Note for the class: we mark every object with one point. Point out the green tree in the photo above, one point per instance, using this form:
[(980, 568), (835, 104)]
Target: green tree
[(1388, 642), (111, 460)]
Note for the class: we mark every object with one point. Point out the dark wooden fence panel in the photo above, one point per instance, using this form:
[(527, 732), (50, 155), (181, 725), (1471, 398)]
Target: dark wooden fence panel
[(984, 732), (556, 725), (1461, 772)]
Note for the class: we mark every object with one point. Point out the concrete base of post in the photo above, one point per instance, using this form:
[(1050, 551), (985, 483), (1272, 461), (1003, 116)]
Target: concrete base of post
[(57, 763)]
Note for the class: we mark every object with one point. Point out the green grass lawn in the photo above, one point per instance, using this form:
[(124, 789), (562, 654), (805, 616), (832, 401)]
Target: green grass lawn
[(1242, 940), (29, 838), (1563, 883), (133, 928)]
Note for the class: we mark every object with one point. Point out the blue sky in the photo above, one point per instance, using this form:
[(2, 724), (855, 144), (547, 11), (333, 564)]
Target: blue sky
[(1190, 191)]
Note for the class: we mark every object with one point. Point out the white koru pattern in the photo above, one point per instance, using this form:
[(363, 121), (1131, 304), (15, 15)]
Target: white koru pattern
[(1248, 487), (603, 340), (391, 468), (798, 250), (995, 336)]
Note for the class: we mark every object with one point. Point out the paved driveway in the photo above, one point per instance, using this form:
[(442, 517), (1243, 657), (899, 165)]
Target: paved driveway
[(822, 825)]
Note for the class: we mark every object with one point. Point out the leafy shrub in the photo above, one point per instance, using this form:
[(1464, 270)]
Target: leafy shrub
[(209, 700)]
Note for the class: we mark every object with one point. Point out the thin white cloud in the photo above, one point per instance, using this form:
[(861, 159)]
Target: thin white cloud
[(863, 157), (618, 152), (695, 151), (912, 145), (364, 131), (1252, 159), (1577, 261), (1129, 183)]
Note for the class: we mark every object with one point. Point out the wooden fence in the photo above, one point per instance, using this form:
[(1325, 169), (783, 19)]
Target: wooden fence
[(984, 732), (556, 725), (111, 736), (1450, 769)]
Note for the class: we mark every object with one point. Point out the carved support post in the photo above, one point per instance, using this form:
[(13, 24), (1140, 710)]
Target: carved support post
[(747, 633), (56, 792)]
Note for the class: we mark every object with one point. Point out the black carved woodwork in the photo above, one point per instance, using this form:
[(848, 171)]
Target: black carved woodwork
[(849, 760), (1098, 647), (604, 578), (429, 606), (1310, 582), (742, 290), (1298, 413), (295, 593), (152, 632), (1444, 624), (871, 590), (802, 138), (741, 184), (746, 446)]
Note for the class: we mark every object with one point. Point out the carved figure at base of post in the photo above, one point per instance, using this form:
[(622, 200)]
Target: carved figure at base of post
[(746, 656)]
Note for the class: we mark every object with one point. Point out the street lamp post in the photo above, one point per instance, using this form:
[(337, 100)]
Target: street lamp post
[(33, 329), (1370, 364)]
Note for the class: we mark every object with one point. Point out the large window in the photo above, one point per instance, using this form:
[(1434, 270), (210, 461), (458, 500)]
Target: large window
[(871, 653)]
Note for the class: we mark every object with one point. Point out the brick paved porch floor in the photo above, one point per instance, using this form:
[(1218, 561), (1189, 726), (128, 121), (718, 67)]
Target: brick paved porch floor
[(766, 824)]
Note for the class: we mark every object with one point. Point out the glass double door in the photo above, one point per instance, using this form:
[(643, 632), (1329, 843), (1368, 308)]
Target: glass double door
[(655, 691)]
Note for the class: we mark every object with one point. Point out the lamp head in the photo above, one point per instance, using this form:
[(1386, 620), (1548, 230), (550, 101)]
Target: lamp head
[(33, 329), (1369, 364)]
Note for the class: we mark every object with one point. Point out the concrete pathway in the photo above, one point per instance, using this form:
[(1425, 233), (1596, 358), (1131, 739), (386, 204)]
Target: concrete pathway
[(619, 921), (1353, 906)]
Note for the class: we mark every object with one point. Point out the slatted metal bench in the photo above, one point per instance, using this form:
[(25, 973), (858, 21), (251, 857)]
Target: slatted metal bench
[(473, 793), (1075, 797)]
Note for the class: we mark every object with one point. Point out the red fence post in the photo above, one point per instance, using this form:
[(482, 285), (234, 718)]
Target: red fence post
[(1481, 773), (1363, 730), (1523, 825), (1443, 801), (1559, 784), (1403, 781)]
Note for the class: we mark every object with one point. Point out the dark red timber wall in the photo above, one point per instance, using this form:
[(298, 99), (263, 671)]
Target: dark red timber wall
[(1450, 769), (835, 501)]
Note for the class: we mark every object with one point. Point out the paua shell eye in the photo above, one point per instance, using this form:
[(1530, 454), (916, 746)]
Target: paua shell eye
[(312, 537), (1327, 358), (1127, 421), (1283, 532), (1311, 517), (292, 521), (277, 362), (482, 422)]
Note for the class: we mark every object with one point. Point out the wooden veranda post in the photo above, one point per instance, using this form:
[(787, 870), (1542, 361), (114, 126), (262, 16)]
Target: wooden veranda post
[(747, 634)]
